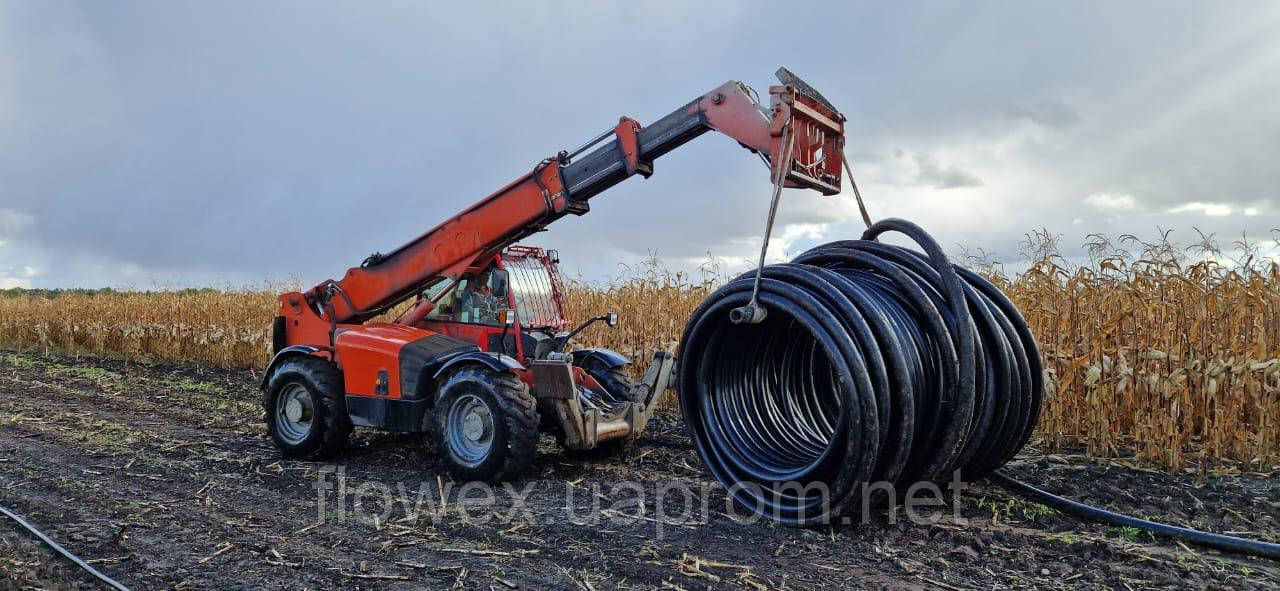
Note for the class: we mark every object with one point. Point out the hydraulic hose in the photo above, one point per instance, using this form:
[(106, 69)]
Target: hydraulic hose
[(873, 364)]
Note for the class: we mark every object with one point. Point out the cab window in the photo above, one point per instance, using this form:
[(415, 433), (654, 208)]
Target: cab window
[(445, 295), (471, 300)]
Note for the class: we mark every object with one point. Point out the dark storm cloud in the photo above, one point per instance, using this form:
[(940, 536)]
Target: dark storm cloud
[(190, 143), (943, 177)]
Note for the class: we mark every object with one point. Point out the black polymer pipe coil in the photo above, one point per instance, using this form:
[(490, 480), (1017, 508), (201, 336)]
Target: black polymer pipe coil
[(874, 364)]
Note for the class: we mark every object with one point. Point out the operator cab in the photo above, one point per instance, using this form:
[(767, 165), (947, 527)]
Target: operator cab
[(511, 305), (475, 299)]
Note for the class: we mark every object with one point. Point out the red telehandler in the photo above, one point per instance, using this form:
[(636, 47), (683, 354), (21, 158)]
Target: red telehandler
[(480, 359)]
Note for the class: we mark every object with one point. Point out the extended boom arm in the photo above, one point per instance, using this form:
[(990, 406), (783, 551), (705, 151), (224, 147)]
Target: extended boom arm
[(563, 185)]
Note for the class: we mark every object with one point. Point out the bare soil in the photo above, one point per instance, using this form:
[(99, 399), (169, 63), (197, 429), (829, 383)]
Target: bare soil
[(162, 476)]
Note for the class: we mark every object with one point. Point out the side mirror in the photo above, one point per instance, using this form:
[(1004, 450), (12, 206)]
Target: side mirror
[(553, 256), (611, 319), (506, 316), (498, 283)]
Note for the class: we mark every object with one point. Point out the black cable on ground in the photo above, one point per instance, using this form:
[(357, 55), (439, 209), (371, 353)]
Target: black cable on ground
[(872, 364), (63, 551), (1208, 539)]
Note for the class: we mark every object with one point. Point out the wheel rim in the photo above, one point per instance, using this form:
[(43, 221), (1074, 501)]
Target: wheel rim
[(295, 414), (470, 429)]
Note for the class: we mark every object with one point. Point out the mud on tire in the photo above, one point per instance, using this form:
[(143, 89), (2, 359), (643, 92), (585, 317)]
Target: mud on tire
[(322, 427), (484, 425)]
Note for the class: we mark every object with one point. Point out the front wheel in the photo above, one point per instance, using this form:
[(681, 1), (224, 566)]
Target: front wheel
[(485, 425), (306, 410), (616, 382)]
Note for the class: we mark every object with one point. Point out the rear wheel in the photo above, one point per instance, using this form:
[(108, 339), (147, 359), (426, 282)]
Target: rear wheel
[(306, 408), (485, 425)]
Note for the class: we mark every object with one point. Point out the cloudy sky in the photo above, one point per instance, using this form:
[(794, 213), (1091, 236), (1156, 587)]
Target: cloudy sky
[(174, 144)]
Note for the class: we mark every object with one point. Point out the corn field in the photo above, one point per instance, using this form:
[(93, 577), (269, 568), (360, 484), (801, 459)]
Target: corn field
[(226, 328), (1169, 354)]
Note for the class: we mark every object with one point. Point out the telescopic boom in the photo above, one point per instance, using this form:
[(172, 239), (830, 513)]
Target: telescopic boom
[(564, 184)]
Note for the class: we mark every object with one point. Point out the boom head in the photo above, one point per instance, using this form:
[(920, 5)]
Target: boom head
[(818, 129), (798, 117)]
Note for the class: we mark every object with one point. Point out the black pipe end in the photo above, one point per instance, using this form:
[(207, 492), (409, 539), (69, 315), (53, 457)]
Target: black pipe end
[(748, 314)]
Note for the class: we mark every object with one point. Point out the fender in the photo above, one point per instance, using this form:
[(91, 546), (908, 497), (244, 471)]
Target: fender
[(282, 354), (494, 361), (611, 359)]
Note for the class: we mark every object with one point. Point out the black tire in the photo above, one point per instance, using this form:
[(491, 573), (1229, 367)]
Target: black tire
[(513, 425), (317, 382), (615, 380), (618, 384)]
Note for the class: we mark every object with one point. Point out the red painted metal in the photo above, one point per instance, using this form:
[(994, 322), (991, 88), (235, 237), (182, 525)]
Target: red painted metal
[(368, 349), (629, 142)]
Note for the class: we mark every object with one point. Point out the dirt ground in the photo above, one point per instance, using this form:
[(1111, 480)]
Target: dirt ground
[(163, 477)]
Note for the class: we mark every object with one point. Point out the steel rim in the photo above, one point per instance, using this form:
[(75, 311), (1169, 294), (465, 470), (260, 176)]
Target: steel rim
[(470, 429), (295, 414)]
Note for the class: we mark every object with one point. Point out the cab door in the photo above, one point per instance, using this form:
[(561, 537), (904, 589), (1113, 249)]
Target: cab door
[(451, 316)]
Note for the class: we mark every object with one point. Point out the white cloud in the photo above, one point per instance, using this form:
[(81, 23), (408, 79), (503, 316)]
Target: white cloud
[(21, 277), (1210, 209), (1110, 202)]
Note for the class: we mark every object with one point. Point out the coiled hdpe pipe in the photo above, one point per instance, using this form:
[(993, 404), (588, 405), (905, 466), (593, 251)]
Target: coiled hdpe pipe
[(873, 364)]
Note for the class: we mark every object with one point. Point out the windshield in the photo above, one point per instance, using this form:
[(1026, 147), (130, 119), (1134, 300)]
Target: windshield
[(531, 286)]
